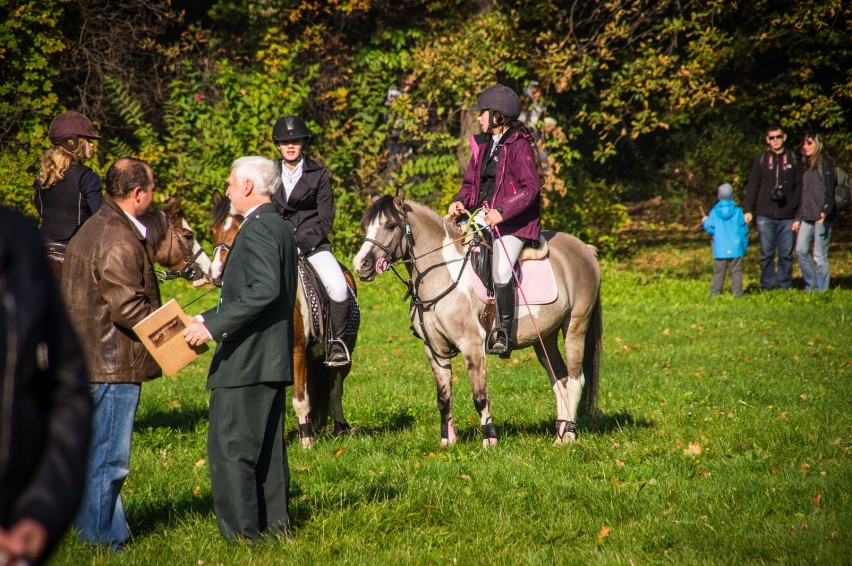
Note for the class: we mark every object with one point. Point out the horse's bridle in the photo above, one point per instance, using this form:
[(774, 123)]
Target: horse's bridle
[(413, 283), (189, 270)]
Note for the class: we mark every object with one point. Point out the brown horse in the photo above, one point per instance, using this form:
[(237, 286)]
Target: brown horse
[(174, 245), (171, 241), (446, 313), (316, 387)]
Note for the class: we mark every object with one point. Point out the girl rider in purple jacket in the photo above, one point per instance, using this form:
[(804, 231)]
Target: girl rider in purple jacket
[(503, 179)]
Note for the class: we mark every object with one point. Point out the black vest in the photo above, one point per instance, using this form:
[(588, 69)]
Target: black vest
[(62, 207)]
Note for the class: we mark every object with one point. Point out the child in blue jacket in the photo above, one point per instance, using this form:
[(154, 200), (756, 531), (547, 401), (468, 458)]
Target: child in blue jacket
[(730, 241)]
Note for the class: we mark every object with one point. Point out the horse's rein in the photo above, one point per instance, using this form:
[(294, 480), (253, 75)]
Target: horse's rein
[(188, 271)]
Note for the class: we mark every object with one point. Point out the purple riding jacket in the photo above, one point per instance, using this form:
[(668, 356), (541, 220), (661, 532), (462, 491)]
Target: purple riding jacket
[(517, 191)]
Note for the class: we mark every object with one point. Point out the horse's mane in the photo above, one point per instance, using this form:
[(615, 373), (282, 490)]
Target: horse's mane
[(386, 207), (221, 211), (154, 221)]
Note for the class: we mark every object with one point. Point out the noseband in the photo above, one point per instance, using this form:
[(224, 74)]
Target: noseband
[(189, 270)]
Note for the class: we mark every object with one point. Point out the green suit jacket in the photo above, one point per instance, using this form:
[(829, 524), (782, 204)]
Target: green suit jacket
[(253, 323)]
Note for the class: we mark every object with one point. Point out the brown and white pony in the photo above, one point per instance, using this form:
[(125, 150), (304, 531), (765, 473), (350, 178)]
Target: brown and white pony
[(317, 389), (445, 311)]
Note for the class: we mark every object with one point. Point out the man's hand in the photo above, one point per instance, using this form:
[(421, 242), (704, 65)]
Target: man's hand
[(23, 543), (747, 217), (795, 226), (196, 333)]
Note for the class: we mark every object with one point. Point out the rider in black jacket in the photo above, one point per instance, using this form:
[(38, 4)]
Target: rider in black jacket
[(306, 203), (67, 192)]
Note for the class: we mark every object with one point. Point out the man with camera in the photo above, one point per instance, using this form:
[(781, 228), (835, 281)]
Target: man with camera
[(773, 195)]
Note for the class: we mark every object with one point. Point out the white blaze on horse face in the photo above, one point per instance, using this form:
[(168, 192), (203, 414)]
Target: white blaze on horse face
[(218, 264), (372, 232), (202, 260)]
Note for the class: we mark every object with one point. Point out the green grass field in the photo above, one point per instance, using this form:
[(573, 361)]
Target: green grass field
[(722, 435)]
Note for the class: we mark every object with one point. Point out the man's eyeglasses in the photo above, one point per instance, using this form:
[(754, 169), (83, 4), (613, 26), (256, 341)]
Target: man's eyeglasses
[(776, 137)]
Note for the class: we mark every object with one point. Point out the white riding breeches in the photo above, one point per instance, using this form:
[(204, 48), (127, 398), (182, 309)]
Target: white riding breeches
[(330, 274), (505, 257)]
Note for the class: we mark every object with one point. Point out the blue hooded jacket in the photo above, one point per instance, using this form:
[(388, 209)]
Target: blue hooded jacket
[(729, 229)]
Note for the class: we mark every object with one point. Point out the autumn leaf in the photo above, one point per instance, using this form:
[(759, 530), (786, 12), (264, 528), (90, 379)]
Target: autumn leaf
[(817, 498), (604, 532), (465, 477), (782, 416), (619, 463), (692, 450), (200, 463), (339, 452), (704, 473)]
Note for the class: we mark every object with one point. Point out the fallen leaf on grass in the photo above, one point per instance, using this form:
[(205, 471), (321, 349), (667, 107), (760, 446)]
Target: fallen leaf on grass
[(619, 463), (817, 498), (804, 468), (339, 452), (704, 473), (604, 532), (196, 490), (465, 477), (175, 405), (200, 463), (782, 416), (692, 450), (803, 396)]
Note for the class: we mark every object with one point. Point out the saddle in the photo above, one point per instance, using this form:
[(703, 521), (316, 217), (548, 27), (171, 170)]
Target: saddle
[(318, 303), (56, 257)]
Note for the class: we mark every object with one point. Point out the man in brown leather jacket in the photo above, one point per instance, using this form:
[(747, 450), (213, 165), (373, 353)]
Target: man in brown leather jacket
[(109, 286)]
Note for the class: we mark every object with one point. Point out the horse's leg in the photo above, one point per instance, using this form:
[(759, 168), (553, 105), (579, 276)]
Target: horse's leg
[(443, 371), (550, 358), (301, 403), (336, 399), (571, 386), (476, 371)]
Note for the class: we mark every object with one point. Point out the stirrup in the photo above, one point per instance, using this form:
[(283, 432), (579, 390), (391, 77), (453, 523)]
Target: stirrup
[(497, 342), (338, 362)]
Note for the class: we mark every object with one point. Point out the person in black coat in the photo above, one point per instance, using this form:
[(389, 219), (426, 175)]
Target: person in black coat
[(252, 364), (306, 203), (45, 406)]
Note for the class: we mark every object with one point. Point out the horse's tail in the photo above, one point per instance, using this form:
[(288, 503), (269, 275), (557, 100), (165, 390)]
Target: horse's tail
[(592, 360), (319, 392)]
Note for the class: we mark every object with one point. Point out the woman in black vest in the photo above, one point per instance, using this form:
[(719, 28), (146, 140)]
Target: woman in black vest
[(67, 192)]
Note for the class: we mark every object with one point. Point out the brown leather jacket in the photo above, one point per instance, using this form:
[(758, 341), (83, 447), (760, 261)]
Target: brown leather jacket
[(109, 285)]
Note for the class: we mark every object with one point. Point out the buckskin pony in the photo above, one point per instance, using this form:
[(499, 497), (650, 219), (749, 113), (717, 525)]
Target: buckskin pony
[(445, 310)]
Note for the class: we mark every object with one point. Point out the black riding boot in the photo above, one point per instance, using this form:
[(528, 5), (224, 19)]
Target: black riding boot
[(500, 337), (338, 353)]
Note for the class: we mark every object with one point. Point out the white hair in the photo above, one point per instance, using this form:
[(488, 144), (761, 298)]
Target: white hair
[(261, 171)]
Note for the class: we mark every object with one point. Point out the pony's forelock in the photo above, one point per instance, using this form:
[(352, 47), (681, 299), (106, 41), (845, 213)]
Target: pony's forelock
[(384, 207)]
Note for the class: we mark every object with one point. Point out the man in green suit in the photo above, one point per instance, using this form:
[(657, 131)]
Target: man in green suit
[(253, 326)]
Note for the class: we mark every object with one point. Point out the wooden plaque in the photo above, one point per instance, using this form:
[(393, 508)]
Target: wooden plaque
[(162, 333)]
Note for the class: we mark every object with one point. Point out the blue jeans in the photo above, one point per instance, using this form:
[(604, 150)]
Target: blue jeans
[(775, 235), (101, 519), (814, 269)]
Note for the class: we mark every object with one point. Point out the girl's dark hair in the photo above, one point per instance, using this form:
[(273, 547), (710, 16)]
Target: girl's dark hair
[(500, 120)]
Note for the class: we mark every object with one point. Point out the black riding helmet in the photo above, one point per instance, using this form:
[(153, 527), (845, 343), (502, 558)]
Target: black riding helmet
[(289, 128), (499, 98)]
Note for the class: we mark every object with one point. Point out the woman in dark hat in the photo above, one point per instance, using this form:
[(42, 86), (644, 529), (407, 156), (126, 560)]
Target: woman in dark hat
[(66, 191), (503, 181), (306, 203)]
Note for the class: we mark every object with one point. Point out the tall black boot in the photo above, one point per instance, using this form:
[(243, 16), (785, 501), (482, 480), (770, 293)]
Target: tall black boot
[(500, 338), (337, 352)]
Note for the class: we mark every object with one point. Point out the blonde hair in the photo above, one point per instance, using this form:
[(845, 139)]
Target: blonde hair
[(57, 160)]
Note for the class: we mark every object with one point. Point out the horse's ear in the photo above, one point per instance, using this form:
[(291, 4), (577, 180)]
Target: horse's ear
[(374, 196), (399, 199), (217, 197), (174, 208)]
